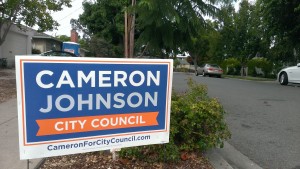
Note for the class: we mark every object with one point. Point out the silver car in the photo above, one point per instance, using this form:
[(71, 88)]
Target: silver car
[(289, 75), (210, 70)]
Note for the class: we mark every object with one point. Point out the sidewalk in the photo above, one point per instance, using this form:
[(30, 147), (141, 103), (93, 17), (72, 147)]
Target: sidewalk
[(9, 138)]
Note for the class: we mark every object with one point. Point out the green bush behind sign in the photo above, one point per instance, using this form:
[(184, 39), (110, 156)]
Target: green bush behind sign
[(197, 124)]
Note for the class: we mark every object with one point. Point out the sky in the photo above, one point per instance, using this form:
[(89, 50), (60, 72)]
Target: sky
[(63, 17)]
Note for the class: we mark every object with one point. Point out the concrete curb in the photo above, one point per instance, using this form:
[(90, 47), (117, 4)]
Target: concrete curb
[(40, 163), (230, 158), (216, 160)]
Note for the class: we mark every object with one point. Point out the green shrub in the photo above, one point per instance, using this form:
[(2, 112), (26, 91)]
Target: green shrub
[(262, 63), (35, 51), (197, 124), (176, 63), (231, 66)]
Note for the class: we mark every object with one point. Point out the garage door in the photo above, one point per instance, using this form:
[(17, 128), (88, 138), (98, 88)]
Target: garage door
[(15, 44)]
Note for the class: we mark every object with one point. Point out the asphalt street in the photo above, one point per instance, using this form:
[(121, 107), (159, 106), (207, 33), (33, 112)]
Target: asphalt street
[(264, 118)]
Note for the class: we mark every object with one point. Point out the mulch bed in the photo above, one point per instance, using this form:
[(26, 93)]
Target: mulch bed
[(7, 89), (102, 160)]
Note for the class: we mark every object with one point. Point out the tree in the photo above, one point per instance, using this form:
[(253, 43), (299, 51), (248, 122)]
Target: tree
[(241, 32), (29, 13), (100, 48), (243, 42), (104, 20), (214, 41), (64, 38), (282, 25), (172, 25), (162, 26), (225, 26), (199, 47)]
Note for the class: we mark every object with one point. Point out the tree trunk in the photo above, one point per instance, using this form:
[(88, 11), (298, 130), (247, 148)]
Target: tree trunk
[(4, 34), (195, 58)]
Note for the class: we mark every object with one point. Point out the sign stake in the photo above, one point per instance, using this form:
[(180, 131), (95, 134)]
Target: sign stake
[(115, 153)]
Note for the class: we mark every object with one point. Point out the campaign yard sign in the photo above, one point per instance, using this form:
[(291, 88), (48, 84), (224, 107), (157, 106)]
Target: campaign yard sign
[(76, 105)]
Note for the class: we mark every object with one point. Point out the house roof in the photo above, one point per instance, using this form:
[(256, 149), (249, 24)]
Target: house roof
[(41, 35)]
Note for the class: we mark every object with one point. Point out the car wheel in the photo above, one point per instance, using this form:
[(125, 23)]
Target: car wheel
[(283, 79), (196, 73), (203, 74), (219, 76)]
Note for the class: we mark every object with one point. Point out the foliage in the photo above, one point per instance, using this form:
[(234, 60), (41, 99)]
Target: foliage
[(64, 38), (104, 21), (281, 21), (262, 63), (198, 49), (231, 66), (185, 18), (30, 13), (176, 63), (213, 37), (183, 69), (225, 26), (239, 30), (101, 48), (190, 60), (197, 124), (154, 20), (35, 51)]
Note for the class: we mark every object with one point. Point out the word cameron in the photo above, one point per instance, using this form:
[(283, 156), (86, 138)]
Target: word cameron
[(115, 80)]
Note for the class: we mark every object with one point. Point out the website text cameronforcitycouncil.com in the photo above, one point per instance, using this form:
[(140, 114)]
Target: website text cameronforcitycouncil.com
[(99, 142)]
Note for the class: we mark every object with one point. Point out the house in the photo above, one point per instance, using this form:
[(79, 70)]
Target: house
[(43, 42), (182, 58), (17, 42), (22, 41)]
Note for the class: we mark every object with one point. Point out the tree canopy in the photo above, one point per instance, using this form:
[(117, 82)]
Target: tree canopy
[(281, 20), (29, 13), (209, 30), (163, 26), (104, 21)]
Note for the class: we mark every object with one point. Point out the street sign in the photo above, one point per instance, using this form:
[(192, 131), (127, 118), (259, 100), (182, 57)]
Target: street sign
[(74, 105)]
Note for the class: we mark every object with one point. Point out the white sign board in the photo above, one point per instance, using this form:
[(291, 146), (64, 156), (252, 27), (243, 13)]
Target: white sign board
[(74, 105)]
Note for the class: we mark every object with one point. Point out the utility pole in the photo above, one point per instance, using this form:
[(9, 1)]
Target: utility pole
[(126, 35), (129, 32)]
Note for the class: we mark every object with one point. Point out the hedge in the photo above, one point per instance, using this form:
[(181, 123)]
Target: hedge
[(197, 124)]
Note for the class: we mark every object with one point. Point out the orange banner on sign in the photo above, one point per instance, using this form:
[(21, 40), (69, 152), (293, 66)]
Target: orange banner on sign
[(95, 123)]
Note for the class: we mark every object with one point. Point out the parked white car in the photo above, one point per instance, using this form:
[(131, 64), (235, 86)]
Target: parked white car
[(289, 75)]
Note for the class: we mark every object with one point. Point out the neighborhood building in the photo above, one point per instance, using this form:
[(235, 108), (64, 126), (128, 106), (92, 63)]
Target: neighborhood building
[(44, 42), (23, 41), (18, 42)]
